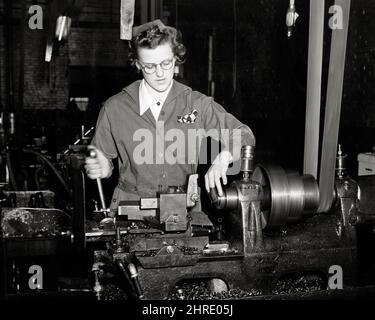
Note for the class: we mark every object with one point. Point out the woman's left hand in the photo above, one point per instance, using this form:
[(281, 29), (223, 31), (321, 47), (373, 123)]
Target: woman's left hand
[(218, 170)]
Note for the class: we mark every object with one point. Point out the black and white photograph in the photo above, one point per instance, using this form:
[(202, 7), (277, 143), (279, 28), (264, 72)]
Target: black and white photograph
[(187, 158)]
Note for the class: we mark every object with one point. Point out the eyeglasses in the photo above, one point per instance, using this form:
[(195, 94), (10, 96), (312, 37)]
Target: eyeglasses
[(150, 68)]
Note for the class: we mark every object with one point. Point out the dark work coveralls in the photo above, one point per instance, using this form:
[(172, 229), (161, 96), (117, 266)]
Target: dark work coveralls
[(120, 124)]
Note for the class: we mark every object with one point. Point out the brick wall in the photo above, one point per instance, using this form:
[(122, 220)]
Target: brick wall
[(97, 47)]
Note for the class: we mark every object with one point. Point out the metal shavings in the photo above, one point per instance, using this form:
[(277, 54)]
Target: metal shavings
[(299, 284), (198, 291)]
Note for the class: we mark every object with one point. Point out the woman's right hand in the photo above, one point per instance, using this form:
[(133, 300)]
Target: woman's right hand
[(98, 166)]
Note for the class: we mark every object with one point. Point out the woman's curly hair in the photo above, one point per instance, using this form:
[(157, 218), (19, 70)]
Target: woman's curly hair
[(155, 36)]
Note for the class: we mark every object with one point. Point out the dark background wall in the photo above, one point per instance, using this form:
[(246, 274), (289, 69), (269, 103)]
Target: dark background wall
[(259, 74)]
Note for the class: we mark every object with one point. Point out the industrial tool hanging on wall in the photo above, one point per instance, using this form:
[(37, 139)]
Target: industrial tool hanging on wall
[(60, 19)]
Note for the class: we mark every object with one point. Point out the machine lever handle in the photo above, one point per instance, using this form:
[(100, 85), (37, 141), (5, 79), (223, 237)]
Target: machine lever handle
[(92, 154)]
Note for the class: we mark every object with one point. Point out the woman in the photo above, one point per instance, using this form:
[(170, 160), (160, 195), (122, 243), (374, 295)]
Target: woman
[(150, 125)]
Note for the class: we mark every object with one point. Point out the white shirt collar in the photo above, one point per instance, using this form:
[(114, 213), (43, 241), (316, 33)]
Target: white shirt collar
[(151, 99)]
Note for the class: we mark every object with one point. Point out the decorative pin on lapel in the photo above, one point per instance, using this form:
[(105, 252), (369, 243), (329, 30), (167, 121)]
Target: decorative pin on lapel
[(188, 118)]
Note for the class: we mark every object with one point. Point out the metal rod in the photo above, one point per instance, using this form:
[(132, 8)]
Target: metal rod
[(101, 194)]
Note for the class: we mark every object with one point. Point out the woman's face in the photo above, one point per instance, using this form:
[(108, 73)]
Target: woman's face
[(160, 59)]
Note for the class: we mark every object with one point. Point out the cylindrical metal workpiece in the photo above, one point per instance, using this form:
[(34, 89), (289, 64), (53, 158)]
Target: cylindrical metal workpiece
[(247, 158), (228, 201), (290, 197), (218, 201), (231, 198), (311, 193)]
